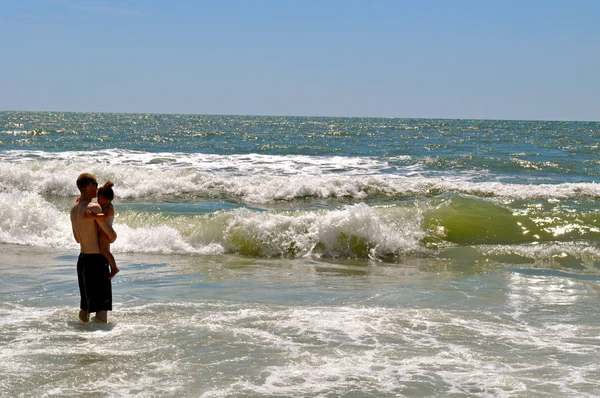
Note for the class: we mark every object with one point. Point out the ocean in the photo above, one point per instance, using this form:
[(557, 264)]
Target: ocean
[(305, 257)]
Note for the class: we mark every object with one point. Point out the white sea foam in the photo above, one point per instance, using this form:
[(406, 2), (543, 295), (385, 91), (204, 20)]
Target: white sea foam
[(358, 230), (350, 349), (354, 231), (26, 218), (252, 178), (160, 240), (232, 164)]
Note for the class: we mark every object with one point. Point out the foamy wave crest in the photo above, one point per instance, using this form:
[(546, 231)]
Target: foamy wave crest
[(51, 178), (160, 240), (58, 176), (26, 218), (353, 231), (357, 231), (238, 164)]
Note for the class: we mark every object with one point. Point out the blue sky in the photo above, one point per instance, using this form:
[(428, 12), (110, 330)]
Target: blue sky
[(477, 59)]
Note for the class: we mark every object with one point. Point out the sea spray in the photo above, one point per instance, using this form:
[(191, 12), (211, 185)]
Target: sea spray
[(353, 231), (27, 219)]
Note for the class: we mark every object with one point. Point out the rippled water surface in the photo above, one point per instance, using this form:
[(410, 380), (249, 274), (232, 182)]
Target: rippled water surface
[(273, 256)]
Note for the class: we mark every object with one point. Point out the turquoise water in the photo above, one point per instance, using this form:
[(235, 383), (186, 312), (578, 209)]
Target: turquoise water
[(296, 256)]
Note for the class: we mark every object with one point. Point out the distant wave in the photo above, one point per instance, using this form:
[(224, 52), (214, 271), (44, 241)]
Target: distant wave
[(37, 132), (254, 178), (233, 164)]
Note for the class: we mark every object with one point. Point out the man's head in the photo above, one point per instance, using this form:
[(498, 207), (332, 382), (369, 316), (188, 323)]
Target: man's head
[(85, 180)]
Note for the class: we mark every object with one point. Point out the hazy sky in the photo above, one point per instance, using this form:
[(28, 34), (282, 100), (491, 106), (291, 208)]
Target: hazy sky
[(500, 59)]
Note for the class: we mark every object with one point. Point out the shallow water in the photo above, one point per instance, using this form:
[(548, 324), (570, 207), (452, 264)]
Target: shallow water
[(230, 326)]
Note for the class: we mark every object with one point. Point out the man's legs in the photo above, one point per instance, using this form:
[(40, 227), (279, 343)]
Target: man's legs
[(84, 316), (97, 288), (102, 316)]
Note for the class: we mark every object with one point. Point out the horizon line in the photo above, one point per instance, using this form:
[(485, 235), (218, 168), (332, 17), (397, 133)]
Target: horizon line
[(307, 116)]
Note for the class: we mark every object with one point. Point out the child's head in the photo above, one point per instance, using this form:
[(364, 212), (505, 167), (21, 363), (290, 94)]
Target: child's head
[(105, 193)]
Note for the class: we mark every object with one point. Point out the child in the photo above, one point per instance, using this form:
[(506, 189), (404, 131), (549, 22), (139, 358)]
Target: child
[(105, 197)]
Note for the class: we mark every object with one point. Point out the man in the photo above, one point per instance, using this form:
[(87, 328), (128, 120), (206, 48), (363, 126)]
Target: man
[(92, 266)]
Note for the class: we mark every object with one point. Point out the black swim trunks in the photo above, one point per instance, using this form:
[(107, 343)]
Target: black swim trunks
[(94, 285)]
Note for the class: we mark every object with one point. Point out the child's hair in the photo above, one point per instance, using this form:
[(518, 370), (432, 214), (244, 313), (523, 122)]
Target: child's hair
[(106, 191)]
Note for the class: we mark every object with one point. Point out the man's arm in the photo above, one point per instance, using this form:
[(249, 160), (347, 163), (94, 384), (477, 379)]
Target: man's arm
[(74, 223), (108, 230)]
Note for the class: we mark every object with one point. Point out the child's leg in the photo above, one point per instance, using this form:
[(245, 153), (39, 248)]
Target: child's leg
[(105, 250), (114, 270)]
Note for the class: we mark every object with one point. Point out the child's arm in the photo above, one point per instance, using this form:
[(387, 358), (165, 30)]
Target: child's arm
[(97, 216)]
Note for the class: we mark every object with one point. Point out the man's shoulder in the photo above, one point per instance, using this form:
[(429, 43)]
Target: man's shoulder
[(76, 206)]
